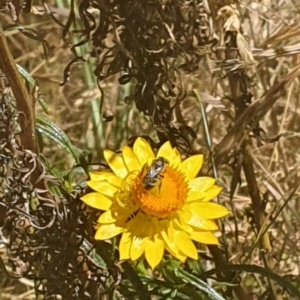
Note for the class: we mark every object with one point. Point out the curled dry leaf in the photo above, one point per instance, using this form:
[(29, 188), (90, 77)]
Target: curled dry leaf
[(231, 14)]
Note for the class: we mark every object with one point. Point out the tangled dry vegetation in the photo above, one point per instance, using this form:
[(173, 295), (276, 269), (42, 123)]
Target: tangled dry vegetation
[(213, 77)]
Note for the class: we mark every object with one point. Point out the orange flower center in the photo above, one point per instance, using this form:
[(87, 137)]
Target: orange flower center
[(165, 197)]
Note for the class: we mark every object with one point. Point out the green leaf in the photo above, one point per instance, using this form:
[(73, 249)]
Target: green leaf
[(52, 131), (32, 87), (199, 284)]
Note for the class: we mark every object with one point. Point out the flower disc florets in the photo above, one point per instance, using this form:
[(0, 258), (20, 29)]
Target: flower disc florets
[(165, 198)]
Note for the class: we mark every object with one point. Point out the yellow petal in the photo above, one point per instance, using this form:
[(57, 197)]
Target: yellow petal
[(168, 237), (143, 151), (116, 163), (176, 158), (172, 243), (154, 251), (179, 255), (204, 237), (194, 196), (201, 184), (208, 210), (106, 176), (124, 247), (171, 154), (198, 222), (103, 187), (137, 247), (130, 159), (166, 151), (203, 224), (97, 200), (99, 176), (185, 245), (140, 225), (191, 166), (212, 193), (178, 224), (120, 214), (105, 232), (106, 218)]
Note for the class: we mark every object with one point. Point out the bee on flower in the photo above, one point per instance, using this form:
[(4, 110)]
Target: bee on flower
[(155, 202)]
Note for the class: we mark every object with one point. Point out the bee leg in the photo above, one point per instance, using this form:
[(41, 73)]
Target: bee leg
[(132, 216), (159, 185)]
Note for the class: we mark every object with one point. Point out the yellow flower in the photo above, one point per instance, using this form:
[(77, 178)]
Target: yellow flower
[(155, 203)]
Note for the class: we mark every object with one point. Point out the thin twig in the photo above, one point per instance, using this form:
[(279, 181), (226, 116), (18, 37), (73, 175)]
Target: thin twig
[(24, 101)]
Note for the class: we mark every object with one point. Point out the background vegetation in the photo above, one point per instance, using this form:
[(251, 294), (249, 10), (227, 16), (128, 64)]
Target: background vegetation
[(215, 77)]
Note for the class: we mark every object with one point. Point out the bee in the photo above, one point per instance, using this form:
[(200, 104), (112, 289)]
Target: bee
[(153, 174)]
